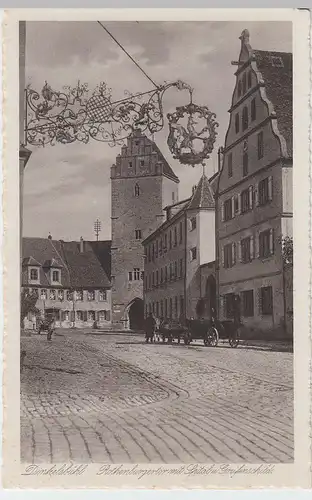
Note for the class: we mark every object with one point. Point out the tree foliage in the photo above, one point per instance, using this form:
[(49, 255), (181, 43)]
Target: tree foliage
[(28, 304)]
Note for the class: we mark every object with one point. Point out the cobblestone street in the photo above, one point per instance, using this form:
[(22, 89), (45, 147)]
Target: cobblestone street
[(113, 398)]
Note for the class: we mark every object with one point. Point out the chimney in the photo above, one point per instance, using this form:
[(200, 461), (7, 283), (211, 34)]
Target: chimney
[(81, 245)]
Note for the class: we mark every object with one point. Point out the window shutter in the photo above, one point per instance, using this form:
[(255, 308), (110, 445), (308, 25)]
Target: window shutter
[(257, 195), (222, 211), (257, 246), (85, 315), (72, 316), (270, 187), (239, 204), (233, 206), (271, 242), (222, 256), (239, 251), (233, 253), (62, 315), (97, 316), (251, 197), (252, 247)]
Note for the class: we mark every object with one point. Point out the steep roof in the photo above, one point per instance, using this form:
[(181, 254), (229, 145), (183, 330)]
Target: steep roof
[(203, 195), (81, 270), (167, 170), (276, 70)]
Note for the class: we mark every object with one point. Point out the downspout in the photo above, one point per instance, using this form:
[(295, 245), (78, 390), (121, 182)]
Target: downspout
[(220, 152)]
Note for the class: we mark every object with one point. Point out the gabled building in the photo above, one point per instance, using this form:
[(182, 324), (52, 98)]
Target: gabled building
[(70, 279), (254, 195), (180, 258)]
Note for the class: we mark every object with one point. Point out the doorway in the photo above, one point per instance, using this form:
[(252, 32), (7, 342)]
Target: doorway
[(136, 315)]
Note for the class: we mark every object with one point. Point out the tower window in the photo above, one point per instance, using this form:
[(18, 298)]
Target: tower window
[(138, 234), (260, 145), (249, 82), (253, 110), (237, 123), (245, 118), (230, 165), (137, 190)]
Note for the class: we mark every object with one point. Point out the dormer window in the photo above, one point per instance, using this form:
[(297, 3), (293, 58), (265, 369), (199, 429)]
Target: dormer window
[(33, 275), (277, 62), (137, 190), (55, 276)]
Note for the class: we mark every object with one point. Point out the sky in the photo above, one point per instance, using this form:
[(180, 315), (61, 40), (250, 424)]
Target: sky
[(67, 187)]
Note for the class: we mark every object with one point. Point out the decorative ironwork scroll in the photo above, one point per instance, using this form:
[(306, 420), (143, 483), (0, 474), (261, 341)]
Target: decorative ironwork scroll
[(75, 115), (189, 144)]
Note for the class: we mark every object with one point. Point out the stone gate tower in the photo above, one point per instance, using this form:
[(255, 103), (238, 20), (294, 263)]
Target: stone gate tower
[(142, 184)]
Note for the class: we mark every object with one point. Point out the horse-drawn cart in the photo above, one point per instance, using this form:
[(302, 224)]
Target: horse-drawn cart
[(211, 331)]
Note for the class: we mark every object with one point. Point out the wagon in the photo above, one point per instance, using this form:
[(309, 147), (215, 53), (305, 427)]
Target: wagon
[(171, 330), (210, 331), (47, 325)]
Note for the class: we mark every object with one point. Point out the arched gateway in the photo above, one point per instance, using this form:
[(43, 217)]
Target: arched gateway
[(135, 312)]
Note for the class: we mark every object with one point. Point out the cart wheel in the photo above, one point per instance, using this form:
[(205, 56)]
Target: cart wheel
[(212, 338)]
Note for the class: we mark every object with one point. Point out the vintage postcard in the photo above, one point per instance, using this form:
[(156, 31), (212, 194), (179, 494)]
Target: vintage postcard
[(156, 249)]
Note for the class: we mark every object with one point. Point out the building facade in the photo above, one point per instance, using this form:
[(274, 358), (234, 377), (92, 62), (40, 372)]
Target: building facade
[(142, 184), (70, 280), (254, 195), (179, 258)]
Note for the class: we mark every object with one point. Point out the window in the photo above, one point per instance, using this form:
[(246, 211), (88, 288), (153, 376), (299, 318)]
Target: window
[(181, 232), (175, 236), (161, 309), (149, 253), (157, 278), (181, 268), (69, 295), (245, 164), (248, 303), (249, 80), (237, 123), (266, 300), (176, 269), (266, 243), (34, 275), (79, 315), (91, 295), (170, 240), (130, 276), (229, 255), (160, 247), (102, 295), (136, 274), (52, 294), (193, 223), (253, 111), (161, 275), (230, 165), (142, 163), (137, 190), (156, 249), (79, 295), (43, 294), (153, 251), (277, 62), (246, 199), (165, 243), (229, 305), (245, 118), (55, 276), (176, 307), (166, 274), (171, 271), (173, 197), (138, 234), (153, 279), (91, 315), (157, 309), (260, 145), (60, 295), (246, 250), (239, 89), (265, 190), (170, 308), (228, 214), (244, 83), (193, 253), (130, 164), (142, 275)]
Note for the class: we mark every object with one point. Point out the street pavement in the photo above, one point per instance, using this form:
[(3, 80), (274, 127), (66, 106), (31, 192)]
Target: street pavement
[(114, 399)]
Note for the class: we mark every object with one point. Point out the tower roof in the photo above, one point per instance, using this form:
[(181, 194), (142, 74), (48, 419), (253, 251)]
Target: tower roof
[(167, 170), (203, 195)]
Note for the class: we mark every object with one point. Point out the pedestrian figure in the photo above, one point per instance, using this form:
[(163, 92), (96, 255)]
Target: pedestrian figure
[(157, 332), (149, 327)]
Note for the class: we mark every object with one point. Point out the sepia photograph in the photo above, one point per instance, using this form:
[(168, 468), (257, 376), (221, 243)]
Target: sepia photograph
[(152, 307), (157, 243)]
